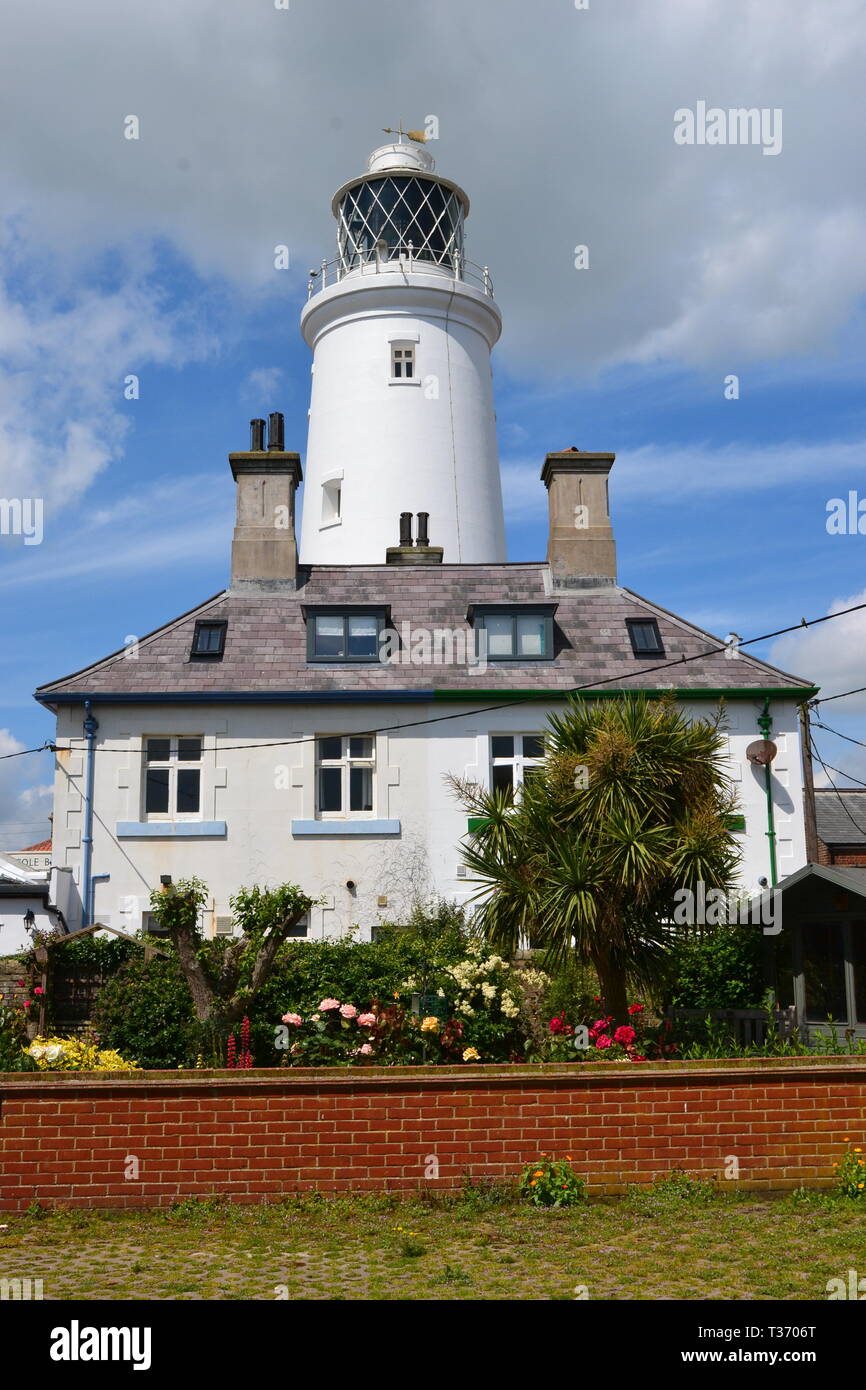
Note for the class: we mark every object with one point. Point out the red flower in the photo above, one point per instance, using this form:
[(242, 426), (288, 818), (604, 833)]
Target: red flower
[(635, 1008), (604, 1041), (624, 1035), (38, 990)]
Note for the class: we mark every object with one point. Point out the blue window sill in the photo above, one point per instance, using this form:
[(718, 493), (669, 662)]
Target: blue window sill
[(169, 830), (307, 828)]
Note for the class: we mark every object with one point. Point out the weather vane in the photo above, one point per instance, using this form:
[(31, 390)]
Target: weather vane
[(418, 135)]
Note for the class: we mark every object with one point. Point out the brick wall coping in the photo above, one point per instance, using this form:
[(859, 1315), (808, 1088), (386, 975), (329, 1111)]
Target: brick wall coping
[(545, 1075)]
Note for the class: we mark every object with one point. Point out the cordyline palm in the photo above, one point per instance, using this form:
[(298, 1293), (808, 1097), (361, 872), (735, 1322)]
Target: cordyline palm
[(591, 870)]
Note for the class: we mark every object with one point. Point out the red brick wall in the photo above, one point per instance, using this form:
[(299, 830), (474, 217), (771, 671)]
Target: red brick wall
[(67, 1137)]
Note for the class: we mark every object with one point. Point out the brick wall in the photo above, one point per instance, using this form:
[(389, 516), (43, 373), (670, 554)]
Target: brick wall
[(68, 1138)]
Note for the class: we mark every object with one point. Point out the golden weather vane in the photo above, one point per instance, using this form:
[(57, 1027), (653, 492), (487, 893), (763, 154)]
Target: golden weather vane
[(420, 136)]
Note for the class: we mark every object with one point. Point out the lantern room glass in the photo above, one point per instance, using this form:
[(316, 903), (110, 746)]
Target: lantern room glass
[(404, 215)]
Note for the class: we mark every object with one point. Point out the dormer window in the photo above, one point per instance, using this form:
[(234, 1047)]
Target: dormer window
[(209, 639), (345, 634), (513, 632), (645, 637)]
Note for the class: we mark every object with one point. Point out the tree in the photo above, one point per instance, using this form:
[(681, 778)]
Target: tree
[(223, 988), (628, 806)]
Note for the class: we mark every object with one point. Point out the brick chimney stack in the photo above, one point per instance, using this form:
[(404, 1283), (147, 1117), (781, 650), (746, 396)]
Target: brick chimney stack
[(581, 550), (264, 546)]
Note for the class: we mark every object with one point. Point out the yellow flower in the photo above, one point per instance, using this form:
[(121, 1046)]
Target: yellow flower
[(430, 1025), (471, 1054), (540, 1173), (859, 1187), (858, 1151), (532, 1184)]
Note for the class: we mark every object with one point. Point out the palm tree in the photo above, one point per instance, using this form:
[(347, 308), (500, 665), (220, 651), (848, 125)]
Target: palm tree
[(628, 806)]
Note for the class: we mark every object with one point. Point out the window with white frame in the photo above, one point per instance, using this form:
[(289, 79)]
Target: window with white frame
[(513, 759), (172, 777), (402, 362), (345, 768)]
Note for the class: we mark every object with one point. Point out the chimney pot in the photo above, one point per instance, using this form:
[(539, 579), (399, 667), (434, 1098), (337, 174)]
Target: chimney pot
[(406, 528), (423, 518), (276, 434), (257, 436)]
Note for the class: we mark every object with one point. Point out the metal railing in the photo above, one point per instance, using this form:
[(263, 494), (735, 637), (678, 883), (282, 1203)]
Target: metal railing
[(405, 259)]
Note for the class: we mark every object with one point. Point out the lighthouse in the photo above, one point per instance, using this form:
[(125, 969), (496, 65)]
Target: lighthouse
[(401, 327)]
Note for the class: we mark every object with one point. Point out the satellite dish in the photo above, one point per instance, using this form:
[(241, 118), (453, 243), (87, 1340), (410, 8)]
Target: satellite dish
[(762, 752)]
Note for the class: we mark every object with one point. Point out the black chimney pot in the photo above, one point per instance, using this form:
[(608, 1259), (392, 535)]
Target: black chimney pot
[(257, 436), (405, 528), (423, 518), (276, 435)]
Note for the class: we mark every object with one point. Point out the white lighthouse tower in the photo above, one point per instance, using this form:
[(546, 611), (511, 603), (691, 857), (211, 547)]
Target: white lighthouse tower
[(401, 417)]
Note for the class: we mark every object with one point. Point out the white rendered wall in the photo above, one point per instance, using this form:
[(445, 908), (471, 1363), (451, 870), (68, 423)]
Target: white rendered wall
[(424, 445), (258, 792)]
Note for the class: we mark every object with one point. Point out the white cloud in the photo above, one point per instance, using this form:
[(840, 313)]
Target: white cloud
[(832, 653), (261, 386)]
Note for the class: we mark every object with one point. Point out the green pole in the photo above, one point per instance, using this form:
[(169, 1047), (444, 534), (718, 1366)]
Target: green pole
[(765, 723)]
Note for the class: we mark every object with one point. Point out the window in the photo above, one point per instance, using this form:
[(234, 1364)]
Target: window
[(209, 639), (402, 362), (150, 926), (515, 634), (344, 775), (645, 636), (335, 635), (332, 502), (172, 778), (513, 759)]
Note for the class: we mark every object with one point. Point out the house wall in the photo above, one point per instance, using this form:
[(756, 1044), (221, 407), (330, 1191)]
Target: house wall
[(69, 1137), (14, 936), (260, 791)]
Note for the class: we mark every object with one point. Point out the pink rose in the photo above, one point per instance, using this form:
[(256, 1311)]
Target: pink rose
[(366, 1050), (329, 1004), (38, 990), (366, 1020), (348, 1010), (625, 1035), (603, 1041), (292, 1018)]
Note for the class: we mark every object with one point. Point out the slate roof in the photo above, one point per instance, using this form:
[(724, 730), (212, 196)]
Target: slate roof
[(266, 647), (839, 814)]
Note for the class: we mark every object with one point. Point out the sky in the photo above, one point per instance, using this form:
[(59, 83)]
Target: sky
[(154, 257)]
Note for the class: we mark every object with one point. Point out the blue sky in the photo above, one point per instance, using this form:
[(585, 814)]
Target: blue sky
[(155, 257)]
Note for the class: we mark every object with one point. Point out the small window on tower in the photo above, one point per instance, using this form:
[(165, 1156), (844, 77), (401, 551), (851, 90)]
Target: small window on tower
[(402, 362), (332, 502)]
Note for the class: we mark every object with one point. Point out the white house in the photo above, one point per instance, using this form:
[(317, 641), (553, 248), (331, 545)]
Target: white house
[(26, 905), (301, 724)]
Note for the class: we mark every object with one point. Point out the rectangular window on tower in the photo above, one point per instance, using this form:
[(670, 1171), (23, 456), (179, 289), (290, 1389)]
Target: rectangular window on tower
[(402, 362)]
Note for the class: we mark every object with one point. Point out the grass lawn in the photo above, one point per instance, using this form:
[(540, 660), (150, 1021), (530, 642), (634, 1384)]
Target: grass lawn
[(680, 1239)]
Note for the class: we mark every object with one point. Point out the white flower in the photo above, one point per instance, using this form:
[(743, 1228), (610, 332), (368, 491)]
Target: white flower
[(510, 1006), (465, 1009), (489, 991), (53, 1052)]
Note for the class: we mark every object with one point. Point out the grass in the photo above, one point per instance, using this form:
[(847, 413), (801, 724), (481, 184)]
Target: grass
[(681, 1238)]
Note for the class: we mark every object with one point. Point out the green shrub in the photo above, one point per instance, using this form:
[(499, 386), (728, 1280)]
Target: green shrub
[(722, 968), (13, 1040), (551, 1182), (145, 1011), (851, 1172)]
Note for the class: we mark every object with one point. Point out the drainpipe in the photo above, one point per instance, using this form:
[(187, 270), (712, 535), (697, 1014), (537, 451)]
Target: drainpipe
[(90, 727), (765, 723), (94, 879)]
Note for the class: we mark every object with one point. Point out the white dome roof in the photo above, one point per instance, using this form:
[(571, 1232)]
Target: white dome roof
[(405, 155)]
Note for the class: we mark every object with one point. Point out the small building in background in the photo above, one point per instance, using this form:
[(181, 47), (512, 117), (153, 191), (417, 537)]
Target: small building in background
[(840, 817)]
